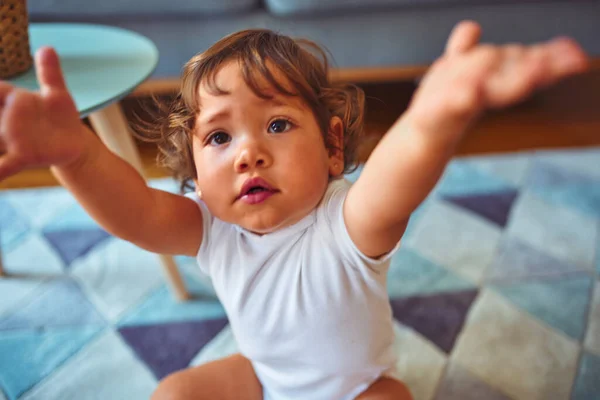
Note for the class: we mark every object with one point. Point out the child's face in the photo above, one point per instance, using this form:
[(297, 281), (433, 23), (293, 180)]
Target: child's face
[(240, 136)]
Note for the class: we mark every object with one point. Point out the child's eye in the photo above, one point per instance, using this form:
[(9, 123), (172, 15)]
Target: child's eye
[(280, 125), (218, 138)]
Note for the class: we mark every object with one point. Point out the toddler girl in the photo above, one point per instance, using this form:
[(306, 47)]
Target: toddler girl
[(297, 255)]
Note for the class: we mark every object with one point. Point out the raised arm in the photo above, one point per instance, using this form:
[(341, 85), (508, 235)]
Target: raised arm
[(44, 129), (411, 157)]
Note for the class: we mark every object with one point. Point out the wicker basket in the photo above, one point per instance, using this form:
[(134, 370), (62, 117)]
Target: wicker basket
[(15, 54)]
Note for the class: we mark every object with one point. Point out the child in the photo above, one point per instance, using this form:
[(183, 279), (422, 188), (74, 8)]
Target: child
[(297, 256)]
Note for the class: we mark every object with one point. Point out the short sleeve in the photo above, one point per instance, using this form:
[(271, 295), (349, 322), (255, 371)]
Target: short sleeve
[(207, 226), (333, 211)]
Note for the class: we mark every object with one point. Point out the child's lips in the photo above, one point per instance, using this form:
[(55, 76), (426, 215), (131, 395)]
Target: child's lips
[(258, 197), (256, 190)]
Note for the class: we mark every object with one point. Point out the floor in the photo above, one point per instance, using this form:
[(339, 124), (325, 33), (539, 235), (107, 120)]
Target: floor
[(495, 292)]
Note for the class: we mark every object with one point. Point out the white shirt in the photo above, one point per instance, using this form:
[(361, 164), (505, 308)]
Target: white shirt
[(307, 308)]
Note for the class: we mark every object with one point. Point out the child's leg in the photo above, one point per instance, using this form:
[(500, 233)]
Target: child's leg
[(386, 388), (231, 378)]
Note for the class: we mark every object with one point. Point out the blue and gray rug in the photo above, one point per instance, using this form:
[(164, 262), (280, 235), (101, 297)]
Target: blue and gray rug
[(496, 292)]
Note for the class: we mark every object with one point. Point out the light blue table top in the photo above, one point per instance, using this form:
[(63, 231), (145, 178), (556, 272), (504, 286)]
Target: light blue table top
[(101, 64)]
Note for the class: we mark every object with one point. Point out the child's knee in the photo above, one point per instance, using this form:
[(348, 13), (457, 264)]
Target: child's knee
[(227, 378), (174, 387), (386, 389)]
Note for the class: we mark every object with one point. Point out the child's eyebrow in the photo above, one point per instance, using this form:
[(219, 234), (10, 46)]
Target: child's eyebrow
[(226, 112), (276, 101), (221, 114), (280, 101)]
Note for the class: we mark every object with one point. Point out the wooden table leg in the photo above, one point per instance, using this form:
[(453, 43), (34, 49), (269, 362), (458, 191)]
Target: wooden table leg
[(111, 126)]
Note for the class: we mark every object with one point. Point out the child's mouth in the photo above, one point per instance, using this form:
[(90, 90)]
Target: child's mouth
[(256, 190)]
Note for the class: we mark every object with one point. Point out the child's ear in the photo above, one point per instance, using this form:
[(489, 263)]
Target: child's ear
[(336, 146)]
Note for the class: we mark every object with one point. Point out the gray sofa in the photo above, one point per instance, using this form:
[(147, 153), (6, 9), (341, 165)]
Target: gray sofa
[(364, 34)]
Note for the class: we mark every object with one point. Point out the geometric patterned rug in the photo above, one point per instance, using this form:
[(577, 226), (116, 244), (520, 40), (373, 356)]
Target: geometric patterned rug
[(495, 291)]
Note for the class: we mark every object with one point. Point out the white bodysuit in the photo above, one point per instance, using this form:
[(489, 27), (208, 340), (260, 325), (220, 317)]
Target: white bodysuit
[(307, 308)]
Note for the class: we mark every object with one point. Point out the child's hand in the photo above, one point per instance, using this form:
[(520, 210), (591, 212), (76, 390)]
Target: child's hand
[(469, 78), (39, 129)]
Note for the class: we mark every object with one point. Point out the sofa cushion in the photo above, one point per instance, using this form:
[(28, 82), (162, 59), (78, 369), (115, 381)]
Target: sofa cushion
[(132, 8), (381, 39), (294, 7)]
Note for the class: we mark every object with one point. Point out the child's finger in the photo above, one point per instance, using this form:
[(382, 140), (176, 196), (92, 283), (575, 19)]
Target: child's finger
[(48, 70), (19, 110), (464, 37), (509, 58), (554, 61), (565, 57), (519, 75), (9, 165)]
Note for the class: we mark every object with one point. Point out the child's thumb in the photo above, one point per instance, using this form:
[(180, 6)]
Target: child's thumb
[(49, 73)]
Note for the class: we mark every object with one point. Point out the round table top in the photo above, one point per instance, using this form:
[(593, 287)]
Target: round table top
[(101, 64)]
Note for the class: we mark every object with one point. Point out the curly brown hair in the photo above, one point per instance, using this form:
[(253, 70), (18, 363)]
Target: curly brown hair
[(302, 62)]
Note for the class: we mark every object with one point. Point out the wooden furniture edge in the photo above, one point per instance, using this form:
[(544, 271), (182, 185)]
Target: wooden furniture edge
[(356, 75), (160, 86)]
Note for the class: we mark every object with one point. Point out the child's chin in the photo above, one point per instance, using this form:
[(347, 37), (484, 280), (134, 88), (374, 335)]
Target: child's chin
[(269, 220), (262, 226)]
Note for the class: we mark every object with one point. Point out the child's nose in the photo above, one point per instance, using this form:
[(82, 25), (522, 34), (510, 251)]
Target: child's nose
[(252, 156)]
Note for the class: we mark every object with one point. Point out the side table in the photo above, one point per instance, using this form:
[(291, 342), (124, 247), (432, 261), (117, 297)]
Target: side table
[(102, 65)]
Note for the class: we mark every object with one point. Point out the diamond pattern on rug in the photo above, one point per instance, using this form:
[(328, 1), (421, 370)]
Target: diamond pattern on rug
[(106, 274), (544, 174), (561, 302), (436, 237), (74, 243), (222, 345), (460, 178), (416, 216), (550, 245), (512, 168), (198, 283), (535, 221), (167, 348), (438, 317), (105, 368), (13, 227), (29, 356), (13, 290), (420, 363), (73, 233), (584, 160), (598, 254), (460, 384), (592, 340), (410, 274), (500, 344), (39, 206), (33, 258), (59, 302), (583, 198), (516, 261), (73, 217), (587, 385), (495, 206), (162, 307)]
